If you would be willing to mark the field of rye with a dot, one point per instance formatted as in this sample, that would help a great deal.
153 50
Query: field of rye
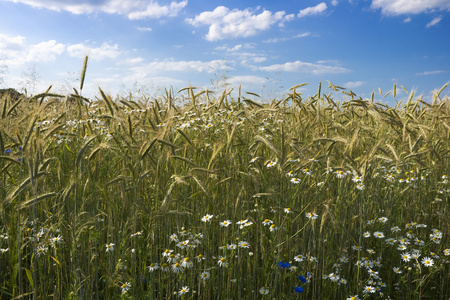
324 197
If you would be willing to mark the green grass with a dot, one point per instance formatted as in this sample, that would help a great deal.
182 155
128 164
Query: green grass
94 192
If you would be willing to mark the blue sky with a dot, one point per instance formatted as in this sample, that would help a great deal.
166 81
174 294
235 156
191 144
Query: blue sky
361 45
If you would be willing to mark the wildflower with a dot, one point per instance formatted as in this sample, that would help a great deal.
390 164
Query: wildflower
369 289
231 246
176 268
298 289
378 234
446 252
355 297
356 248
313 259
167 253
273 228
254 159
313 159
56 239
299 258
243 244
356 179
287 210
183 290
225 223
186 263
333 277
302 278
291 174
311 216
402 247
267 222
397 270
165 267
307 172
3 251
207 218
395 229
271 164
109 247
360 186
284 265
263 291
293 269
241 222
222 261
406 257
340 174
153 267
295 180
343 281
125 287
390 241
137 233
426 261
366 234
205 275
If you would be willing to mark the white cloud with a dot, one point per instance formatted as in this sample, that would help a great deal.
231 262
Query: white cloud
433 22
277 40
314 10
246 79
426 73
180 66
17 52
227 24
45 51
399 7
305 67
407 20
104 51
353 84
137 9
131 61
334 2
144 29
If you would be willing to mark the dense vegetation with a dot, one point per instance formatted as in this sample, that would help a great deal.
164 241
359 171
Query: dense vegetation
322 197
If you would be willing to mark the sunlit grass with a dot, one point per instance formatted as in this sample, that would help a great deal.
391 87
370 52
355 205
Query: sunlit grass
326 197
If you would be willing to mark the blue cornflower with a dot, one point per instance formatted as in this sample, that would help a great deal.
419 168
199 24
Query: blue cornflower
7 151
284 265
302 279
298 289
20 148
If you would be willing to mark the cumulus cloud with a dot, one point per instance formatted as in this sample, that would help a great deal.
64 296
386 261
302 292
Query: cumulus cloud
399 7
96 53
137 9
283 39
304 67
433 22
314 10
246 79
45 51
17 52
227 24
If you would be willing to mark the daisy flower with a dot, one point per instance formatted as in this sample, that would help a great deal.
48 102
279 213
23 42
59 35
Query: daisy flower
311 216
176 268
153 267
397 270
366 234
295 180
183 290
205 275
406 257
207 218
241 222
291 174
378 234
222 261
167 253
243 244
271 164
355 297
125 287
225 223
263 291
267 222
3 251
273 228
254 159
299 258
307 172
165 267
340 174
109 247
287 210
186 263
360 186
426 261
